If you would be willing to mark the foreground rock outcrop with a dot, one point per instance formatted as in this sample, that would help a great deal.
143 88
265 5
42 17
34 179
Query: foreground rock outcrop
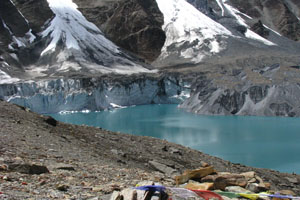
204 185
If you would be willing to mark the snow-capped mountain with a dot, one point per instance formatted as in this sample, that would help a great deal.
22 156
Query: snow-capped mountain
241 57
84 47
193 37
68 43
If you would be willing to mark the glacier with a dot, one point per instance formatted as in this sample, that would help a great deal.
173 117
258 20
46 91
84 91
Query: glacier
94 94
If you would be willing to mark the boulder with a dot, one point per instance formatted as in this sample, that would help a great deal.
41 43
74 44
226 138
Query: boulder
128 194
221 181
256 188
28 168
199 186
62 187
248 175
163 168
51 121
292 180
287 192
3 167
194 174
236 189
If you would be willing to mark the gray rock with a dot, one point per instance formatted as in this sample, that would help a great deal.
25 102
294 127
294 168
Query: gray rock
62 187
65 167
51 121
256 188
175 151
28 168
163 168
292 180
236 189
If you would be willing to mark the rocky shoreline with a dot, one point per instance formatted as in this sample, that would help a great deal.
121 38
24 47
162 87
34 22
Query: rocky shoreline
90 163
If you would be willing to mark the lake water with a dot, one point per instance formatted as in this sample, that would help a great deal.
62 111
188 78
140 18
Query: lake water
267 142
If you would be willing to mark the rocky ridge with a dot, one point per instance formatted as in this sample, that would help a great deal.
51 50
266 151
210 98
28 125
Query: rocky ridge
88 163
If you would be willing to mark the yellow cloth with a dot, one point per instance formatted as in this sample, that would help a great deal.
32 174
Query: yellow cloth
249 196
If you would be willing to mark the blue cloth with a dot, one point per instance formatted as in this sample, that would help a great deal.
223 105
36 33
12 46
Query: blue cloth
152 188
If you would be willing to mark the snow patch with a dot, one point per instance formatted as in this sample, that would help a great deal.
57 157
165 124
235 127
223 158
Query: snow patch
5 78
30 36
252 35
117 106
14 56
272 30
249 34
221 6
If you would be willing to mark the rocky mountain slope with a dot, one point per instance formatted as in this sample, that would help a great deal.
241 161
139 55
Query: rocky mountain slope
88 163
241 57
133 25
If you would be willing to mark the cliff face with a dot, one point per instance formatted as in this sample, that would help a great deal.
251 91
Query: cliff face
134 25
21 21
279 15
20 17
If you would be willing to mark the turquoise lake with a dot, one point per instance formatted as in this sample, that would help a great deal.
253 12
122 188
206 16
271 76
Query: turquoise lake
266 142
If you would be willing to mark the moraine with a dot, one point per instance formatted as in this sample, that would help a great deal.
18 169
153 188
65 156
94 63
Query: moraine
265 142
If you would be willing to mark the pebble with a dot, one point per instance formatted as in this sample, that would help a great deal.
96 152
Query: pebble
62 187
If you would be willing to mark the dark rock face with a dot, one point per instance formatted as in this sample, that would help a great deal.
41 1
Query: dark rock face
5 37
15 15
37 12
260 29
13 18
282 109
202 5
134 25
279 15
257 93
231 101
19 17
